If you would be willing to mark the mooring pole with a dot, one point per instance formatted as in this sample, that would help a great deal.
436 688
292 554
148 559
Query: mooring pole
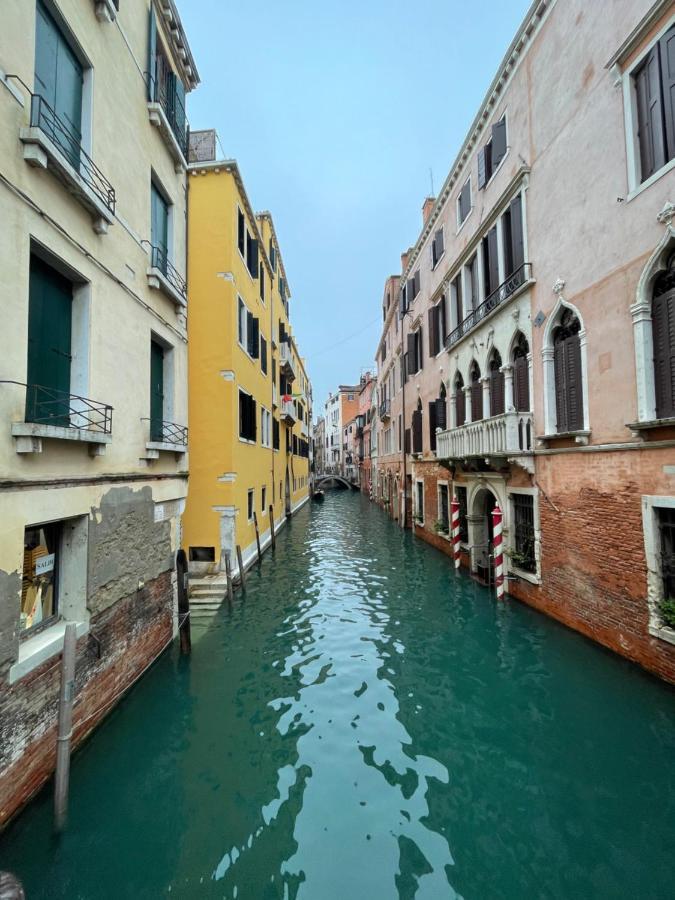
242 574
498 551
182 585
65 727
454 519
257 535
228 575
274 537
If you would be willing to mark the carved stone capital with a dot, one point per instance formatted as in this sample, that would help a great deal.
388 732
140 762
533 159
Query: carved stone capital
667 214
558 286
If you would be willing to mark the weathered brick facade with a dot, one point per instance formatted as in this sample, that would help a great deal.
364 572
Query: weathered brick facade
132 633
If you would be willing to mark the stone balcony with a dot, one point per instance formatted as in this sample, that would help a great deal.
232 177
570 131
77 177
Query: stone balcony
508 435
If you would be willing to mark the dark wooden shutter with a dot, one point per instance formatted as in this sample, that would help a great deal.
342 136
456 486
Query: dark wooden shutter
417 282
460 401
412 360
663 330
433 331
496 391
241 233
465 202
419 345
650 115
521 384
667 51
254 419
560 392
442 321
406 441
482 169
441 413
498 142
517 244
152 55
410 291
493 259
432 425
263 355
402 302
476 400
252 255
262 281
575 411
439 243
417 431
457 299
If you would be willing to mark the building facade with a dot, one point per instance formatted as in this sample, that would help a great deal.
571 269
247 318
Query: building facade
320 446
250 397
340 408
93 383
389 473
364 423
537 320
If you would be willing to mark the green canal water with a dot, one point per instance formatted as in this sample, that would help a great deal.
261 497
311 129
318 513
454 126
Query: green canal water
365 725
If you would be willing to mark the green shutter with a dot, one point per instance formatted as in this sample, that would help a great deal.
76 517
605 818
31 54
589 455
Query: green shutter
159 225
156 390
152 56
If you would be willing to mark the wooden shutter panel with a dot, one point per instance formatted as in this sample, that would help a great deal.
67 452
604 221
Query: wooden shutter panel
417 282
241 233
262 281
440 247
442 322
417 431
411 355
460 400
650 115
496 392
402 302
575 411
152 56
517 244
498 142
663 330
419 344
441 413
432 425
482 169
410 291
476 401
254 420
493 263
433 331
667 52
252 253
560 392
521 384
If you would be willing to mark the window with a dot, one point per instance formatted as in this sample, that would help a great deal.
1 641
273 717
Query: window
512 231
490 262
443 507
250 504
419 501
265 427
460 401
247 416
248 247
663 335
437 328
491 155
567 368
156 392
262 282
476 393
654 86
417 428
457 307
159 228
166 88
521 375
263 499
248 331
666 528
40 581
273 256
523 554
460 493
496 385
414 354
464 203
263 355
437 248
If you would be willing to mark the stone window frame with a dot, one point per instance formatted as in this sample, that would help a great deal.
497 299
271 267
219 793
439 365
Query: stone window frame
440 482
532 577
418 482
651 534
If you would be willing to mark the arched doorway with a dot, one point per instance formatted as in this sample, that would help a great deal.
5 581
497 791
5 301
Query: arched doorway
287 493
481 533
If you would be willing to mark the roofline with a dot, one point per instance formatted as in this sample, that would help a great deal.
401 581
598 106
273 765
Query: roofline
266 214
179 42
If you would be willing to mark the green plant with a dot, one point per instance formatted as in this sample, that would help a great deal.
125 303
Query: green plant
667 611
441 527
519 559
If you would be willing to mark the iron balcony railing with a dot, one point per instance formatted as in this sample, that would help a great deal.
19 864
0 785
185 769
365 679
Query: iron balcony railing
174 112
50 406
167 432
385 409
159 259
69 143
497 297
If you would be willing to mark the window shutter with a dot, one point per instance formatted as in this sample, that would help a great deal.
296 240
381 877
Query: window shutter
411 355
457 299
560 393
476 398
465 202
432 425
152 56
442 321
179 118
402 302
241 233
417 431
406 441
254 421
460 401
492 260
667 50
441 413
253 257
521 384
517 245
419 346
433 331
262 281
482 169
496 392
575 413
663 330
498 142
650 115
417 282
410 291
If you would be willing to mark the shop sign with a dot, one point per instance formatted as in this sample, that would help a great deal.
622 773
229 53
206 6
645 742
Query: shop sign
44 564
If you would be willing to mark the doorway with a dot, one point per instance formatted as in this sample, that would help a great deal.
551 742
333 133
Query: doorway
482 537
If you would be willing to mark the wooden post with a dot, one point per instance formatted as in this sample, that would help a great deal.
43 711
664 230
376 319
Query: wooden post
228 574
183 603
66 697
242 574
257 535
273 535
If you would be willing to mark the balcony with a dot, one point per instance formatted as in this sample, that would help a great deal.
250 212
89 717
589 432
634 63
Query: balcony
167 113
288 412
49 143
164 277
286 363
520 279
506 435
57 415
168 437
385 410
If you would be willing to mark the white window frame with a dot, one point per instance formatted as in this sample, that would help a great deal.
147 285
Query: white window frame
439 484
236 231
434 266
250 503
461 223
265 427
652 540
548 367
263 499
418 482
508 148
510 531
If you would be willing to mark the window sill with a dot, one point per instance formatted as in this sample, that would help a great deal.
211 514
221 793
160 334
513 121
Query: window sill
41 153
158 281
663 633
580 437
521 574
43 646
28 437
438 261
648 182
243 440
496 171
154 448
636 428
105 11
461 224
158 118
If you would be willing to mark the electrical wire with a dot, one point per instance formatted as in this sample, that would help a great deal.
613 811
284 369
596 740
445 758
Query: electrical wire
345 339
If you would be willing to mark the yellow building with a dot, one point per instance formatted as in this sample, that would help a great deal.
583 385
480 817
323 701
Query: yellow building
249 395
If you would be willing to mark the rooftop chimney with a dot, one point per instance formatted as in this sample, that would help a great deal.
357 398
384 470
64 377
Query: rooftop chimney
427 206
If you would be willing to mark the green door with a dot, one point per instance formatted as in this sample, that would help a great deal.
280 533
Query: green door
156 391
49 343
159 226
58 81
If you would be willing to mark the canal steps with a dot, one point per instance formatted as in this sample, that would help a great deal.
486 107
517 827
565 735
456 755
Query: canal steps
207 592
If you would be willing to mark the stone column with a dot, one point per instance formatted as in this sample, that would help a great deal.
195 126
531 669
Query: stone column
453 410
469 407
485 381
509 404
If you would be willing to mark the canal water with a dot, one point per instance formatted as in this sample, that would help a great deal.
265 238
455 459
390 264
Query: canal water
365 725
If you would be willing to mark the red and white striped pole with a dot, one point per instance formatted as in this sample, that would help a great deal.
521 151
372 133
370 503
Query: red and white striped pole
499 551
454 519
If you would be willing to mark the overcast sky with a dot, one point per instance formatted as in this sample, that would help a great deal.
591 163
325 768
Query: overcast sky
336 113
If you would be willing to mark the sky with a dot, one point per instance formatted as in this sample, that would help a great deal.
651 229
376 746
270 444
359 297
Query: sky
339 115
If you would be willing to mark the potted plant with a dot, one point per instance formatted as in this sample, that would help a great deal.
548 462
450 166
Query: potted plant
667 611
441 527
419 519
520 560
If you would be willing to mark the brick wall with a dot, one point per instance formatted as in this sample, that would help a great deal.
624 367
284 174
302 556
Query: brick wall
132 633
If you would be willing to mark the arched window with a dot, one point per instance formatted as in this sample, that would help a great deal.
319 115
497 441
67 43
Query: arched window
567 374
663 334
496 385
460 401
476 393
437 416
417 428
521 375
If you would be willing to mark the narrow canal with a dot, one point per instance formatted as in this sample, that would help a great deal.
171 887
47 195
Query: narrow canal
363 725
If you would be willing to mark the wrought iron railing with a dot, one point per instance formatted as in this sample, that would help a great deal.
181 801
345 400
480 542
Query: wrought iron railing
69 143
385 409
159 259
50 406
167 432
497 297
174 112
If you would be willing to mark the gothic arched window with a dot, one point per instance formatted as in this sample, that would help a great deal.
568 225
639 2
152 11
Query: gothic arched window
568 377
521 375
476 393
663 332
460 401
496 385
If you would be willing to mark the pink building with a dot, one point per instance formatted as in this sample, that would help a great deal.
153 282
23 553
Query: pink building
364 419
538 330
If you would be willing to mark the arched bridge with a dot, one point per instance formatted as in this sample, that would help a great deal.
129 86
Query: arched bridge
325 481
